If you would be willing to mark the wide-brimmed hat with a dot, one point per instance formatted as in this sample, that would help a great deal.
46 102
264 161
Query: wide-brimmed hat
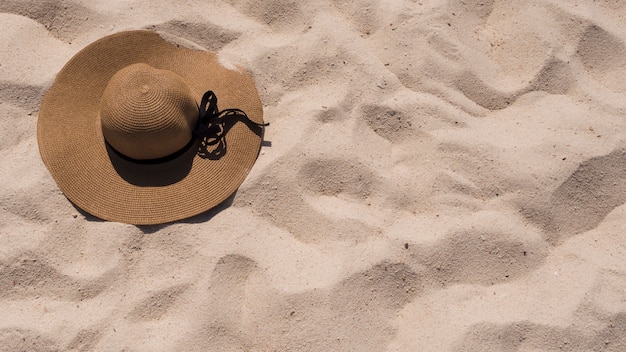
131 130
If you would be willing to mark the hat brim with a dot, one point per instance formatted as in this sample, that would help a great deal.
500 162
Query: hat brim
112 188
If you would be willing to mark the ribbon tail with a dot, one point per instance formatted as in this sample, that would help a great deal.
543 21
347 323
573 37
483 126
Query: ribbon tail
243 115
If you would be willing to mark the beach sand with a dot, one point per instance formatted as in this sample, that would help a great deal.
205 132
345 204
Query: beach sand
437 176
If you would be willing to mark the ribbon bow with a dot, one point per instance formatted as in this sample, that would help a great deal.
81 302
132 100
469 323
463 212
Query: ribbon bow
212 125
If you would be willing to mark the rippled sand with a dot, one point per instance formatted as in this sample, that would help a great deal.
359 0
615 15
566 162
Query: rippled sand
438 176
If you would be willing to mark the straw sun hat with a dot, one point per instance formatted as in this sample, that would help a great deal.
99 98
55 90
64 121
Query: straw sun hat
131 130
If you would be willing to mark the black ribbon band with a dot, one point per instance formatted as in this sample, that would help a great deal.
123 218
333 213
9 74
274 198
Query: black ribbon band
160 160
210 130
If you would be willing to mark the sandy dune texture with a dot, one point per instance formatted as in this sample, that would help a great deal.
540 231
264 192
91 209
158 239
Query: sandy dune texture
442 176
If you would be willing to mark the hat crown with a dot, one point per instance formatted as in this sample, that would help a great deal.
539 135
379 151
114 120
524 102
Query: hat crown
147 113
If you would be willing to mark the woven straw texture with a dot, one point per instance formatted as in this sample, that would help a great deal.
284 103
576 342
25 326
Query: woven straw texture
142 107
98 181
